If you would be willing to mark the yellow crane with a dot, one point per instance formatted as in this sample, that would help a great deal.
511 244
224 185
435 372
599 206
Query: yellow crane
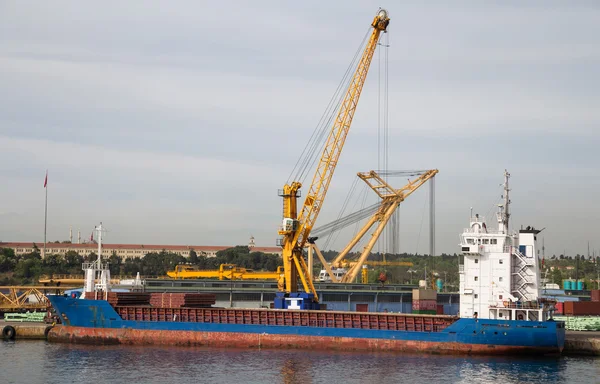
374 263
390 200
297 225
225 271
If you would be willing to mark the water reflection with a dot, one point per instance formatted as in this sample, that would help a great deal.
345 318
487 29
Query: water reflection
41 362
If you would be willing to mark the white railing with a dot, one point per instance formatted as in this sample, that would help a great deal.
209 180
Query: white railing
94 265
484 231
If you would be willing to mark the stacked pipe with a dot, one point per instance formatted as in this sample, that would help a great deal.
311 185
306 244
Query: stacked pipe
128 298
178 300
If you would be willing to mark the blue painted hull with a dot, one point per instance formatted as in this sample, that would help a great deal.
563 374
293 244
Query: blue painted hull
96 321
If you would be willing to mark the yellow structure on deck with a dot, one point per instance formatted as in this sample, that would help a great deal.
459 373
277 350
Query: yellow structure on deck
15 298
297 225
352 263
225 272
390 200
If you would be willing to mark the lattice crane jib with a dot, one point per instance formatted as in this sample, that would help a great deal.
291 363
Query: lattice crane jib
391 199
297 225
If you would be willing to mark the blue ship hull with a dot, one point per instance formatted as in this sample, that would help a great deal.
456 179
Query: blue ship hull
97 322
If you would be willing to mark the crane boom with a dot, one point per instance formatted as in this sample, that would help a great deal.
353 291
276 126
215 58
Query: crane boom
389 204
296 228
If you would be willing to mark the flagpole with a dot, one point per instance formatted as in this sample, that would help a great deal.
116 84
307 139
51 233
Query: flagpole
45 213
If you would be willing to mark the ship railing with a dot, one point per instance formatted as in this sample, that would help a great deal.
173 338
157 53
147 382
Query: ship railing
478 219
483 231
519 305
94 265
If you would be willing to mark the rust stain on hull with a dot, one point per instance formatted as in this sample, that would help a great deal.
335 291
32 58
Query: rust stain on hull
107 336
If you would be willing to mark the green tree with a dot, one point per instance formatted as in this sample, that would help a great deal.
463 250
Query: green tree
115 263
8 260
28 269
132 266
193 257
557 276
53 264
73 261
159 263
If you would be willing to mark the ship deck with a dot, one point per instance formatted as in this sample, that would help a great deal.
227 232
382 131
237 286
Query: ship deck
327 319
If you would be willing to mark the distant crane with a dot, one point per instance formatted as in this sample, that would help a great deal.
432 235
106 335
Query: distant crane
390 200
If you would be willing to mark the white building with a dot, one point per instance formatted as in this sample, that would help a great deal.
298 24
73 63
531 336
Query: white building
126 250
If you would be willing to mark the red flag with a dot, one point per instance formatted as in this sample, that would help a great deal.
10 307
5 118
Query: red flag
46 180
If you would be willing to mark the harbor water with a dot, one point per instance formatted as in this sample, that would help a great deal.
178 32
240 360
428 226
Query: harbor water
43 362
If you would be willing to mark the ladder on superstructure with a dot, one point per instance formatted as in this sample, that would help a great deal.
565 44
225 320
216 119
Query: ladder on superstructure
520 277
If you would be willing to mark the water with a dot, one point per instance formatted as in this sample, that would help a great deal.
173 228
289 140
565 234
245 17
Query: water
42 362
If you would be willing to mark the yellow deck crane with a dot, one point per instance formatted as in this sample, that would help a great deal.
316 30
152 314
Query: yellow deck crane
297 225
390 200
225 271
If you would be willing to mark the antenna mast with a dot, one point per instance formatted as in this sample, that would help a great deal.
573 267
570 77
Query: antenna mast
503 213
506 214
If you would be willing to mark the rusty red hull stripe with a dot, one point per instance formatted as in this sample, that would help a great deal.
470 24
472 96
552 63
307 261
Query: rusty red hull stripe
103 336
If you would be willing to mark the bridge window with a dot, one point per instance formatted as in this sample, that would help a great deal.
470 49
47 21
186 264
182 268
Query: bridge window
486 241
501 261
476 296
494 241
500 279
499 297
476 278
470 241
476 261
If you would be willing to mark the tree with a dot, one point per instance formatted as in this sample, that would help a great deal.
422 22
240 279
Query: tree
73 261
53 264
132 266
8 260
91 257
114 263
28 268
557 276
193 257
157 264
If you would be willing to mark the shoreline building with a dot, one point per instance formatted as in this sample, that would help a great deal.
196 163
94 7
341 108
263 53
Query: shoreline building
126 251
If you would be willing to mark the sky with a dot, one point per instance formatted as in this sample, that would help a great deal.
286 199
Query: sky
177 122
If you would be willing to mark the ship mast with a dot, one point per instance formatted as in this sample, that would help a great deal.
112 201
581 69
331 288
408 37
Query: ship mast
504 213
97 274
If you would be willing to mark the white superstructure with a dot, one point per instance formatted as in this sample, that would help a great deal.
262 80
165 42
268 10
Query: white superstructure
499 275
97 273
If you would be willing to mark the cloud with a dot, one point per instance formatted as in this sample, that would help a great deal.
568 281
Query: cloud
179 122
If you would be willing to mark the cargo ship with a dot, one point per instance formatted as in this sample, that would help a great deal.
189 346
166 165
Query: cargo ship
500 311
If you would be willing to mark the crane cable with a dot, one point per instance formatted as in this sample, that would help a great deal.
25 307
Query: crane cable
320 142
316 140
354 218
345 221
421 225
383 127
336 231
344 207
